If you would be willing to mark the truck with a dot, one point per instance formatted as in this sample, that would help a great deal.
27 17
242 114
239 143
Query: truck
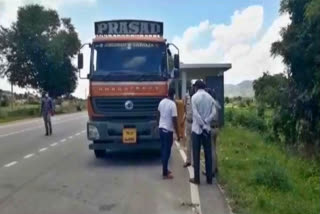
131 68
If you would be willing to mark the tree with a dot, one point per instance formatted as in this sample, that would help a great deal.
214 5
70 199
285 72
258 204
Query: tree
38 50
269 89
300 50
227 100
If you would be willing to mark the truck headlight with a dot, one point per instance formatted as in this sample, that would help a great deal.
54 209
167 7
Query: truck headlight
93 132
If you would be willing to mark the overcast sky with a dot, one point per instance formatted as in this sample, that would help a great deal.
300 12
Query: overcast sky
231 31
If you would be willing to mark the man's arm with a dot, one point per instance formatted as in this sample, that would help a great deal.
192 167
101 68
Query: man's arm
185 110
217 104
175 124
174 114
196 115
212 115
52 106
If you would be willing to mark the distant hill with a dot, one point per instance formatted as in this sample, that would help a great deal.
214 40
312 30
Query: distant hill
243 89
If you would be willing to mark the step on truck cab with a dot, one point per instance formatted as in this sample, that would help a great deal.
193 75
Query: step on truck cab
131 68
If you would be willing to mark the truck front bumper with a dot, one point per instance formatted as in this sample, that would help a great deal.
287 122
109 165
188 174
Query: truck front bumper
107 135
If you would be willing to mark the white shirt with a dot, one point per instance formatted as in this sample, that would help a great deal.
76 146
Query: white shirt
204 111
168 110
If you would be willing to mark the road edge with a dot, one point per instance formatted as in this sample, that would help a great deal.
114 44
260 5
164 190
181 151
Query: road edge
194 189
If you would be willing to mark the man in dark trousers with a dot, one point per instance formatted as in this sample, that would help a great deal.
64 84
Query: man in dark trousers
167 124
203 114
46 112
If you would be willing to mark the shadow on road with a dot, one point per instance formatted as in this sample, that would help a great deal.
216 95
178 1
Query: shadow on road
127 159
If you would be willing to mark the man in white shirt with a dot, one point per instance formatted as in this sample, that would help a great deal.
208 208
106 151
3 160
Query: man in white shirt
203 113
167 124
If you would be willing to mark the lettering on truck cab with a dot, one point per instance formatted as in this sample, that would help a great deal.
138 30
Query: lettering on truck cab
129 27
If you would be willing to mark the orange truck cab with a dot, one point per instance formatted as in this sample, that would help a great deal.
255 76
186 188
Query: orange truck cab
131 68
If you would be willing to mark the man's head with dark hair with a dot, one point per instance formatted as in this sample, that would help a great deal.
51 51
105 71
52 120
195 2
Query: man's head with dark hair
44 95
199 84
171 93
191 91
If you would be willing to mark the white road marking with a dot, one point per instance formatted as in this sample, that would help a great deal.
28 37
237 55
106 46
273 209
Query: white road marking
78 134
11 164
53 144
70 137
20 123
43 149
28 156
63 140
37 127
16 132
29 121
195 198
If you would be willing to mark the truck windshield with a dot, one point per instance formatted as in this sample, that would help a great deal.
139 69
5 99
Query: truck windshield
130 58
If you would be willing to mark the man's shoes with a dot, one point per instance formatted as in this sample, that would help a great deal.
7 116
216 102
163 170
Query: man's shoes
205 174
46 134
192 180
167 177
209 181
187 164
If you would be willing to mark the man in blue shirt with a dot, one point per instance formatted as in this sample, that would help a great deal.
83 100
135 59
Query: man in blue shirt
46 112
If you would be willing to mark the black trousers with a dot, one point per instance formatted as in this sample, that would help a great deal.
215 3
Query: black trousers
166 138
204 140
47 123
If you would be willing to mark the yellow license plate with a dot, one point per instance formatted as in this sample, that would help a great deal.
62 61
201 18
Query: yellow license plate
129 135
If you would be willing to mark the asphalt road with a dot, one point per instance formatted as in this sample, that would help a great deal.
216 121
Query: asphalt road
59 174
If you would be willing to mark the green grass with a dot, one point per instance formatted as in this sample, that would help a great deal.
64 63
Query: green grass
18 112
262 178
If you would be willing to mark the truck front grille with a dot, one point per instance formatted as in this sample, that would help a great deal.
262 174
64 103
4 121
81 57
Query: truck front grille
117 105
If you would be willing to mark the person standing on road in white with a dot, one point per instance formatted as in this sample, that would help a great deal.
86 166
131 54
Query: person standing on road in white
203 113
188 119
46 112
167 124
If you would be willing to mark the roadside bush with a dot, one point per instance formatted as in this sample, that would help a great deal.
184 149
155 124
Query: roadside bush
272 176
4 101
24 112
245 118
3 114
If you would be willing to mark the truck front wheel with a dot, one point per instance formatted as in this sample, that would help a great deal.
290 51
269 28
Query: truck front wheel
100 153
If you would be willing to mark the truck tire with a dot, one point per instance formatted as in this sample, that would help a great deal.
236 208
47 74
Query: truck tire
100 153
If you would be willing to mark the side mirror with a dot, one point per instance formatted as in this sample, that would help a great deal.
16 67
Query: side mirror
80 61
176 61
